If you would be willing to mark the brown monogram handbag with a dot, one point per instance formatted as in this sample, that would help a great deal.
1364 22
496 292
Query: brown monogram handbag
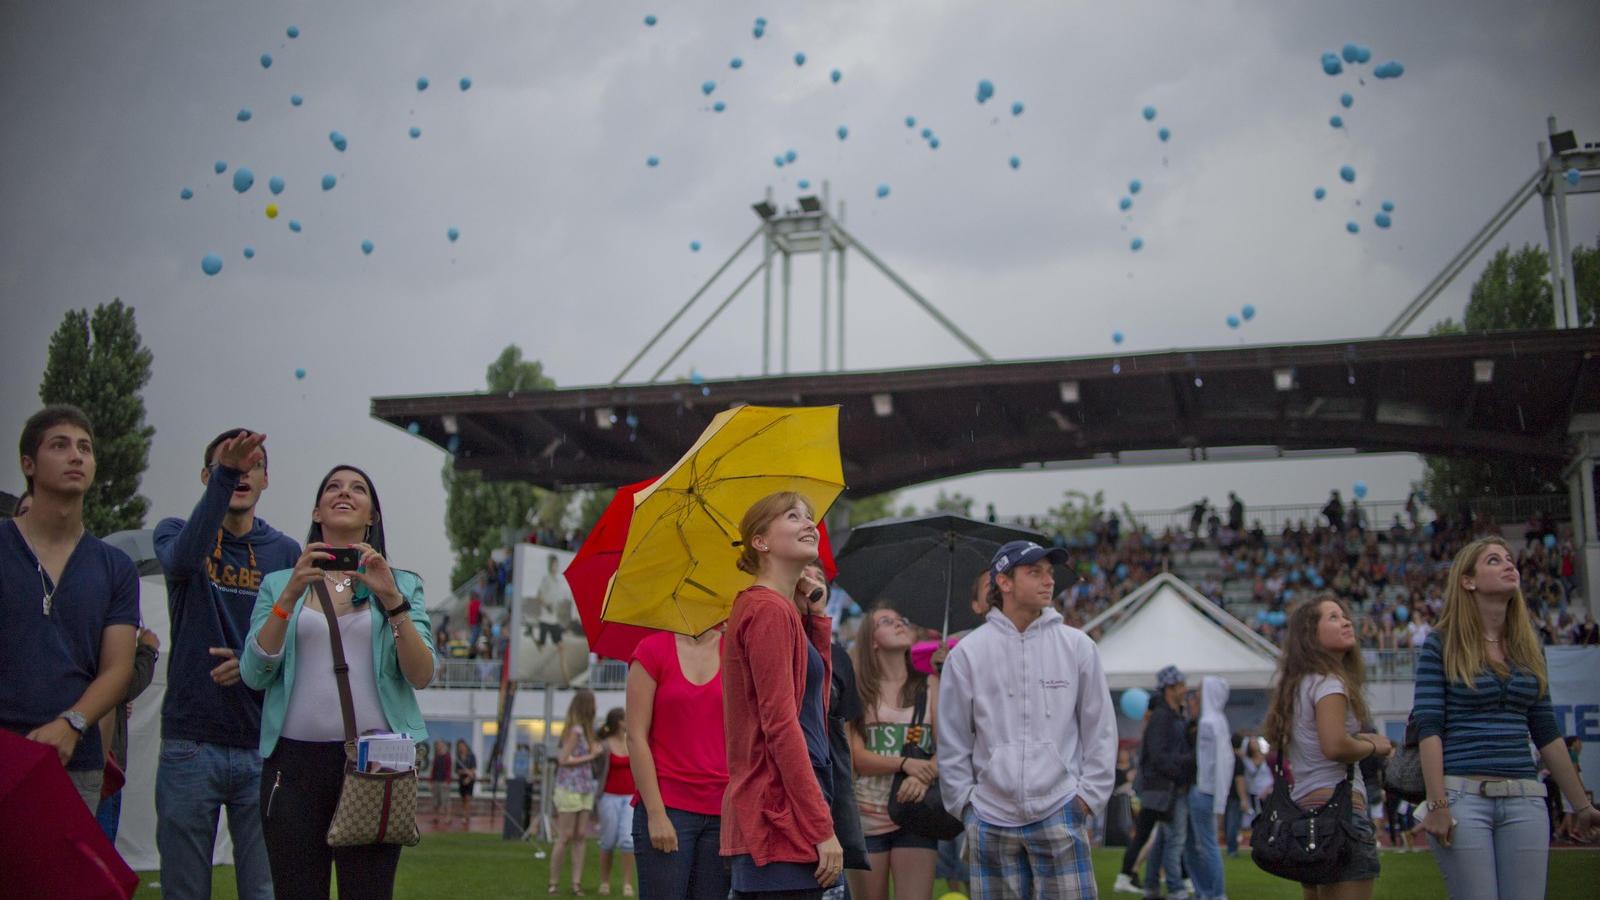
374 807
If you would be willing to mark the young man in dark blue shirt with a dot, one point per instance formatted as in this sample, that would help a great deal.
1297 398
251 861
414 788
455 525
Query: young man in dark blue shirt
69 601
210 721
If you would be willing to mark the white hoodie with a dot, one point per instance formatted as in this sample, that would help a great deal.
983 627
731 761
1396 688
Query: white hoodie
1025 722
1213 746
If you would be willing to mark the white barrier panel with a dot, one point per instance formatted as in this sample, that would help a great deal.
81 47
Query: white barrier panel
1575 697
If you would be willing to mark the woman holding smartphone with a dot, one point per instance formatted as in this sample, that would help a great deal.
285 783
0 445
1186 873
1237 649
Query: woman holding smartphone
385 631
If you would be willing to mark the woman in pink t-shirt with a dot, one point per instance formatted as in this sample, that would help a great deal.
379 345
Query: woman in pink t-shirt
679 757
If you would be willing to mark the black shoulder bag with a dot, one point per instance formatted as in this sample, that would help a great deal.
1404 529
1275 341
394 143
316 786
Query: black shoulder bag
927 817
1309 846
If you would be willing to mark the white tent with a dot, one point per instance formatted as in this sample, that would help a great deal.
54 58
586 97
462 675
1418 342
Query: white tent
1167 622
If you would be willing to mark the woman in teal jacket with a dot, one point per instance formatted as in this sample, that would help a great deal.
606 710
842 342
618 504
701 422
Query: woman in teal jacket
388 647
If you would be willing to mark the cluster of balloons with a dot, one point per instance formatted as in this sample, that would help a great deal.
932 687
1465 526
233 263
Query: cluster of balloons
1245 314
1333 64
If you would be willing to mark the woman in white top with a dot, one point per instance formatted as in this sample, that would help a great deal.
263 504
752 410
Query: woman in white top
889 688
1312 722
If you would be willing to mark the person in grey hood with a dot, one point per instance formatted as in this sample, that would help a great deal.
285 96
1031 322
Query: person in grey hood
1028 736
1213 780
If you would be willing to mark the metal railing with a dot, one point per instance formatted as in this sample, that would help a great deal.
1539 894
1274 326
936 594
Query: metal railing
480 674
1390 665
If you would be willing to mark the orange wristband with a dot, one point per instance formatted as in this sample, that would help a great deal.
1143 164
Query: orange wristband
280 612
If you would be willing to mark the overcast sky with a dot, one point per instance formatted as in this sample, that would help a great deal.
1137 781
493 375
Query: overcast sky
573 248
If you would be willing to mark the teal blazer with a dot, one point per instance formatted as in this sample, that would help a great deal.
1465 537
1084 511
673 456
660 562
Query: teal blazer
276 676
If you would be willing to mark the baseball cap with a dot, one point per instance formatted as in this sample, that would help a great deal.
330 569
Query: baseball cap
1022 553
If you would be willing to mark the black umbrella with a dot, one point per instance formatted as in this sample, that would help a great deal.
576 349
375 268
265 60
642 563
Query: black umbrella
919 566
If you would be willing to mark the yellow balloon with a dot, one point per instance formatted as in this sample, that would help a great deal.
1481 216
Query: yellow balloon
272 210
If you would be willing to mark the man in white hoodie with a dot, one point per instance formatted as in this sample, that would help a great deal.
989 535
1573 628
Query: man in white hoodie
1027 736
1214 763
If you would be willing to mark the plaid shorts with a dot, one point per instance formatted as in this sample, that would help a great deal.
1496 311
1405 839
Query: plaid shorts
1047 859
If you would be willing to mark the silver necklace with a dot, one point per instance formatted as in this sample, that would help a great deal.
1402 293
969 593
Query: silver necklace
49 595
339 586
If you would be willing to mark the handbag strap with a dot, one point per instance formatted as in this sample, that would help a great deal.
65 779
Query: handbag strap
341 669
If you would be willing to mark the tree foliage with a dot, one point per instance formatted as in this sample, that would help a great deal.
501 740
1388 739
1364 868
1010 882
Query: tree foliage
98 363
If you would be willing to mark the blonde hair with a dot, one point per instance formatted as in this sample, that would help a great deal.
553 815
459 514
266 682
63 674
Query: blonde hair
1461 626
758 517
580 714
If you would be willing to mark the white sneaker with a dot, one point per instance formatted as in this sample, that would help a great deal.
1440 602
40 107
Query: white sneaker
1188 886
1125 885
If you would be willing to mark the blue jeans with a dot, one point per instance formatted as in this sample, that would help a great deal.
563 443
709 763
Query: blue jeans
109 814
1171 836
695 871
194 780
1500 847
1200 850
1232 815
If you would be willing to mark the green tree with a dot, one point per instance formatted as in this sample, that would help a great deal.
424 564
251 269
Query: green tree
1075 516
1513 293
955 503
871 508
479 513
98 363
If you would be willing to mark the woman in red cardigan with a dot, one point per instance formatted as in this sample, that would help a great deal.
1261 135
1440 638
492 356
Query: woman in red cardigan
776 824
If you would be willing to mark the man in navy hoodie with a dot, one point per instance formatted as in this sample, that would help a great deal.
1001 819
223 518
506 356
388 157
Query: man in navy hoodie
210 721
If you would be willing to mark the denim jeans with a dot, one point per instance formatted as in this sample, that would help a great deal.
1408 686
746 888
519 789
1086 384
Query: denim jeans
1500 847
1174 833
1232 816
695 871
194 780
1200 850
109 815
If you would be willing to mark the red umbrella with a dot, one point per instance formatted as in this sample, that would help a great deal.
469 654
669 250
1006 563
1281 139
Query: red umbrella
50 845
597 560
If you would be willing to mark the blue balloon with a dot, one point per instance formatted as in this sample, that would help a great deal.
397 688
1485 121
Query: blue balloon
718 106
293 32
799 59
249 253
1390 69
694 246
1345 100
300 373
338 140
1149 113
1550 541
758 31
1125 203
761 22
1122 570
1388 206
883 191
1015 162
185 194
414 428
1137 244
650 21
1016 108
911 122
790 156
1352 227
1134 703
296 99
1351 53
1164 134
1249 312
452 233
243 179
1135 186
1383 220
211 264
695 377
835 75
805 184
985 90
1320 192
243 115
422 83
1336 121
652 161
843 132
1233 321
294 225
465 83
706 87
933 142
219 167
366 247
1331 64
454 444
1348 173
415 132
1574 176
1359 489
736 63
778 160
275 184
1116 337
266 60
328 181
927 133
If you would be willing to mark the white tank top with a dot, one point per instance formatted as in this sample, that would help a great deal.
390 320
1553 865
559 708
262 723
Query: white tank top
313 713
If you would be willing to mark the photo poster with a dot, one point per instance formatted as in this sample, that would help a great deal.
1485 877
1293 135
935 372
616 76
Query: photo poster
1575 699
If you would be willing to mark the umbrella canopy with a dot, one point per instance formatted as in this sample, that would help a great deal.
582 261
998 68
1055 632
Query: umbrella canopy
50 846
678 569
924 567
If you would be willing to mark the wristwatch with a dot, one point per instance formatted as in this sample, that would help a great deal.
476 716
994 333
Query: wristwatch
75 719
1431 806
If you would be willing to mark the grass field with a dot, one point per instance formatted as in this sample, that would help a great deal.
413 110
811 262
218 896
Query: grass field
470 866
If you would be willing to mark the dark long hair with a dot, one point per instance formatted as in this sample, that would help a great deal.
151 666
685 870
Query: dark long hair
1304 655
374 531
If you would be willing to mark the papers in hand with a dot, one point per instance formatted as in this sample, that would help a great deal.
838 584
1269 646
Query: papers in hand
386 752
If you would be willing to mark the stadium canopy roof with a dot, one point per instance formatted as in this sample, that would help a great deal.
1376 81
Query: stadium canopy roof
1503 392
1167 622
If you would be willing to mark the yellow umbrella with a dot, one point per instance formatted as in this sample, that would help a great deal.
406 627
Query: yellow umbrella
678 570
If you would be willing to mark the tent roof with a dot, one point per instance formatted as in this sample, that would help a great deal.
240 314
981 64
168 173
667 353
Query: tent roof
1167 622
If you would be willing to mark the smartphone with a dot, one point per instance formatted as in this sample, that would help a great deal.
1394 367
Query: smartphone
345 559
